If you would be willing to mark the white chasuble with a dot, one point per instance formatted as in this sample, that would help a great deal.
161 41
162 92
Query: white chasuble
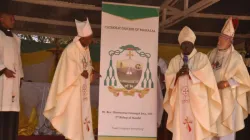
68 106
10 58
231 68
247 63
193 103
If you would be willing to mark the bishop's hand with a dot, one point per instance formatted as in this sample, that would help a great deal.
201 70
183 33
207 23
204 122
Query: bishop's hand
223 84
9 74
85 74
183 71
96 75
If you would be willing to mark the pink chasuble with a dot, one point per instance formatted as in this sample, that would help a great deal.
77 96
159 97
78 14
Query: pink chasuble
86 111
85 100
186 116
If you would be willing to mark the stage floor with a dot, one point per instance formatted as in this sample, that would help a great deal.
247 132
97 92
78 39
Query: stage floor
163 134
40 138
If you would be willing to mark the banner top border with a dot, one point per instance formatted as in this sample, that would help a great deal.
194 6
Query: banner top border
136 5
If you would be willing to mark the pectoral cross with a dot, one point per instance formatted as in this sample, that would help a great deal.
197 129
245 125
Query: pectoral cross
130 54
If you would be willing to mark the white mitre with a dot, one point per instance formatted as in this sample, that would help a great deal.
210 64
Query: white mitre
186 34
228 28
83 28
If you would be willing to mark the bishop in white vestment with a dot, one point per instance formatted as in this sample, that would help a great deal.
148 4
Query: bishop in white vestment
193 102
10 74
233 82
68 106
245 132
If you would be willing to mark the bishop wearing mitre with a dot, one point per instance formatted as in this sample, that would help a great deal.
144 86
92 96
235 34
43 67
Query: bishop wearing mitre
68 105
193 102
233 82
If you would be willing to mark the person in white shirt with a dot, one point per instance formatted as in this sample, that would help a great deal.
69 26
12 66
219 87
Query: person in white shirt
161 89
11 73
162 68
162 115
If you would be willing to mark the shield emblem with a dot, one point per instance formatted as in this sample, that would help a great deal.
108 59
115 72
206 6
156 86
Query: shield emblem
129 73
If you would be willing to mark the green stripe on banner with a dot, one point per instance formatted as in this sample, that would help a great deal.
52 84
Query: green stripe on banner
95 52
31 47
130 12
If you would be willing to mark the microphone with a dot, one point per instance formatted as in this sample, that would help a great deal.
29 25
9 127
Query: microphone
185 60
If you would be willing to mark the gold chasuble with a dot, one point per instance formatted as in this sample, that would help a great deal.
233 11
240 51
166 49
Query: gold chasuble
234 99
229 67
68 106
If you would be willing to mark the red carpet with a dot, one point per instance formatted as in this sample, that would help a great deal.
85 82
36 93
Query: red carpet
40 138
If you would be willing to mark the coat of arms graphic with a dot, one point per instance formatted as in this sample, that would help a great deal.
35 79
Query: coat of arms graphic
132 75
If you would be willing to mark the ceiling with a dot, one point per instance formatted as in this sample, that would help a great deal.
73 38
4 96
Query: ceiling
206 17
